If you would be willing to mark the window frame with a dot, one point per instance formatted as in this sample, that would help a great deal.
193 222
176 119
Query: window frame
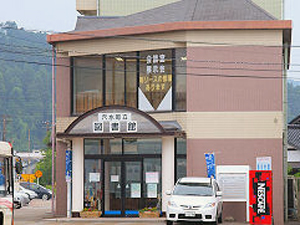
137 55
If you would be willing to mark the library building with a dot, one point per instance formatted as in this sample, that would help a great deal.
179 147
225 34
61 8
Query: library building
141 99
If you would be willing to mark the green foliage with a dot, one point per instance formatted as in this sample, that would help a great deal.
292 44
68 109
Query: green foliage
45 165
25 87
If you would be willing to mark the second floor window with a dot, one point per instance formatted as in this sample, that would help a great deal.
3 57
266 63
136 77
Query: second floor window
145 80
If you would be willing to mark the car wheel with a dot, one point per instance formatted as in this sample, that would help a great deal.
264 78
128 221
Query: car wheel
169 222
45 197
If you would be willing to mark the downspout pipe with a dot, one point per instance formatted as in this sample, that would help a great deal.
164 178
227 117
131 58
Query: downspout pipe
285 131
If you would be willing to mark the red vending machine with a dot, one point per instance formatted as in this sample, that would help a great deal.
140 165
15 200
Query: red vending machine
261 206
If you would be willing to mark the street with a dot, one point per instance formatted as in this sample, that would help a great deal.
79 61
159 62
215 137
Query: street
39 212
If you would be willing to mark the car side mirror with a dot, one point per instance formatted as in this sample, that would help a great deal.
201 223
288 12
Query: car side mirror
219 193
168 192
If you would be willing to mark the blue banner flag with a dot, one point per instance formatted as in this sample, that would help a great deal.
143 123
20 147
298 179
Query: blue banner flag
210 164
68 165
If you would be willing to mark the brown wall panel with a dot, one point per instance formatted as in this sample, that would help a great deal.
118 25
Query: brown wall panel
240 152
63 87
214 81
61 185
236 210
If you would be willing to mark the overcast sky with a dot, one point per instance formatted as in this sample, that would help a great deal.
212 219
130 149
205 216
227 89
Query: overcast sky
46 15
60 15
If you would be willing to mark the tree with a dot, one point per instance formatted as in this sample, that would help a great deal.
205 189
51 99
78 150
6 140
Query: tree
45 165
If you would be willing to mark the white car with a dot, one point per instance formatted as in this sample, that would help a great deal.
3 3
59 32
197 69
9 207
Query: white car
21 198
195 199
31 194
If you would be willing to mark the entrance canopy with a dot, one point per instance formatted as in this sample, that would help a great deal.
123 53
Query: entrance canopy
120 121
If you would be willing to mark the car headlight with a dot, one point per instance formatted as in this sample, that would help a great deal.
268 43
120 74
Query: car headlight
172 203
210 205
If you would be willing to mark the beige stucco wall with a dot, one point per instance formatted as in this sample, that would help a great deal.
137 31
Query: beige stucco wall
170 40
274 7
122 8
216 125
86 4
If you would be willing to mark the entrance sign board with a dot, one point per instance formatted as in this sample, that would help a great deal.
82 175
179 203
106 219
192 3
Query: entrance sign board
260 197
114 121
263 163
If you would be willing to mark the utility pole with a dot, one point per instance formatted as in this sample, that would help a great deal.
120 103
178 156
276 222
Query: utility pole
4 127
29 140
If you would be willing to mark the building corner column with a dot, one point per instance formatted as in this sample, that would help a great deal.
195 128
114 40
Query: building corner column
77 175
168 168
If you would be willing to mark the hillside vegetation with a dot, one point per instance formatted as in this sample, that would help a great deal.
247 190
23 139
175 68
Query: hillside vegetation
25 86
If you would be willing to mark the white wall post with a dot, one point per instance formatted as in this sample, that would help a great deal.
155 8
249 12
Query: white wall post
77 175
168 168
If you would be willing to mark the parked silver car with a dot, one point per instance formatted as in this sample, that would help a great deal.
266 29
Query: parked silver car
21 199
30 194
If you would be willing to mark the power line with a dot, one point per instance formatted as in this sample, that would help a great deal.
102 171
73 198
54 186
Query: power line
178 73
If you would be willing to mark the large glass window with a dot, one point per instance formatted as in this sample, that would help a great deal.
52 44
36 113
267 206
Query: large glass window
131 79
87 84
92 185
180 158
148 80
115 77
93 146
180 81
152 182
142 146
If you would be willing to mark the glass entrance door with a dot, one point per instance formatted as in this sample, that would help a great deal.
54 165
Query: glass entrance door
112 188
133 187
122 187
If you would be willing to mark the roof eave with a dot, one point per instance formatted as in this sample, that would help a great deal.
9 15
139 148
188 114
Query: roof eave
168 27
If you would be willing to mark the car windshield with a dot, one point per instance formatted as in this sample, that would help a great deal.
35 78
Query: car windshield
197 189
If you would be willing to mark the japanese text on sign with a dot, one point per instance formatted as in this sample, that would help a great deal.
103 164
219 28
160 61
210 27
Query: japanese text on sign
112 122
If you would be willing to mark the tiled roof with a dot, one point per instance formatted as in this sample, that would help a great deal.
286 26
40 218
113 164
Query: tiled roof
294 135
181 11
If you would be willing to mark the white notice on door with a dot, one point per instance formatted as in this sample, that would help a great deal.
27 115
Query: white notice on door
152 177
152 190
135 190
94 177
114 178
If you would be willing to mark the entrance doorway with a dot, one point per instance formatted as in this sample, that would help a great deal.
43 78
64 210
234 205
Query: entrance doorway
122 176
122 185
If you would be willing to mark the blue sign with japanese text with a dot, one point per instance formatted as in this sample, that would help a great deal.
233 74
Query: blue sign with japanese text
68 165
210 164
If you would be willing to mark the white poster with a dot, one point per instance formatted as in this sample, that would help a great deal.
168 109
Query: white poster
152 177
114 178
152 190
263 163
94 177
135 190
